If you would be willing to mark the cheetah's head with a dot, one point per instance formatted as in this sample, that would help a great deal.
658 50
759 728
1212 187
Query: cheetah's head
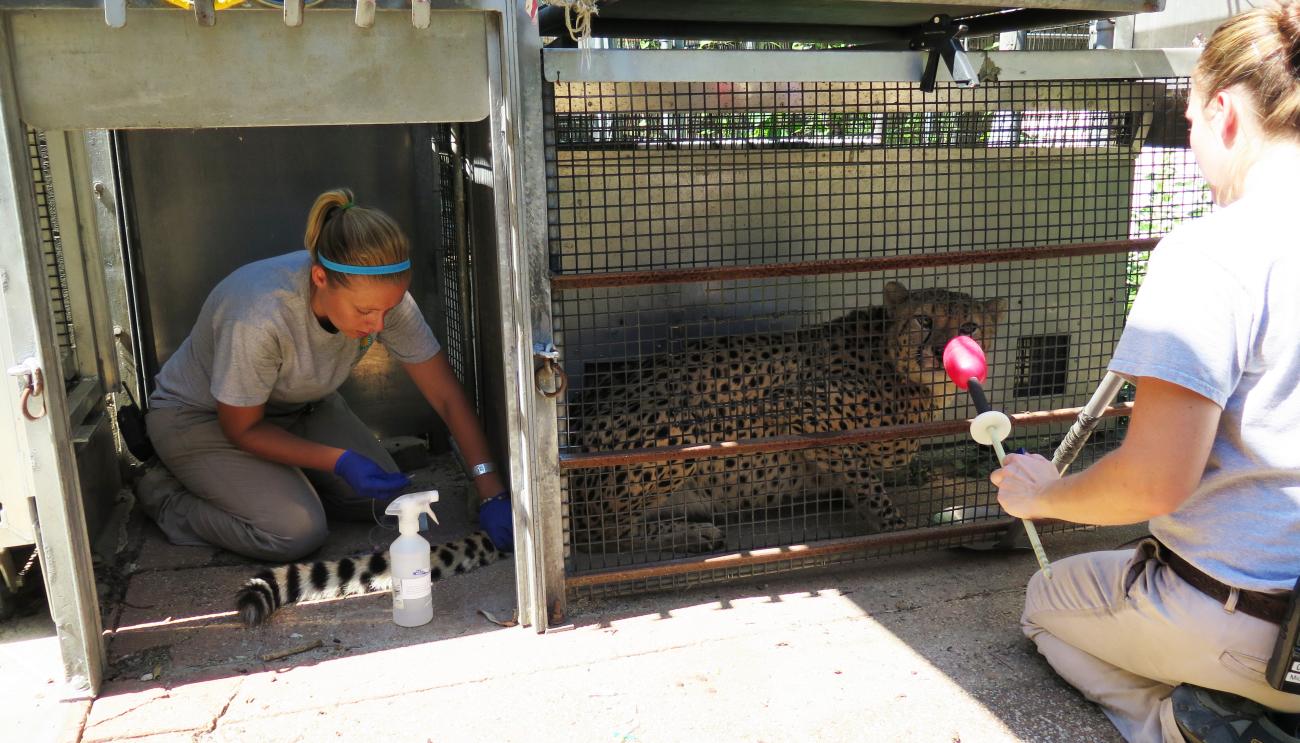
922 321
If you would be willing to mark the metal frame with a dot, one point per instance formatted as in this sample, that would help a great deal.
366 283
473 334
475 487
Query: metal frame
602 65
598 66
885 24
524 285
47 445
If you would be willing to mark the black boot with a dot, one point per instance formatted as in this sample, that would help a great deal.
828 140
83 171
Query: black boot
1207 716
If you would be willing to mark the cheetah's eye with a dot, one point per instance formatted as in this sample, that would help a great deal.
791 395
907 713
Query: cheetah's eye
923 321
968 328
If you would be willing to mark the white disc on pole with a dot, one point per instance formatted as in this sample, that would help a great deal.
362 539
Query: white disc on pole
990 425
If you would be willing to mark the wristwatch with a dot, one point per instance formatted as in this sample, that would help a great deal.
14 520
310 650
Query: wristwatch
482 469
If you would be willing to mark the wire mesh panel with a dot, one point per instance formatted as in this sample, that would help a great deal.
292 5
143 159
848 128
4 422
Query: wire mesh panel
753 284
1072 37
456 255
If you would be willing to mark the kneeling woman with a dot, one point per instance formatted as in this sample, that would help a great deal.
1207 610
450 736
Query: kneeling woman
247 415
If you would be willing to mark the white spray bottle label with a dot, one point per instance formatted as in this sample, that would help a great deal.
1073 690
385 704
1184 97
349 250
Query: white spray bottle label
409 561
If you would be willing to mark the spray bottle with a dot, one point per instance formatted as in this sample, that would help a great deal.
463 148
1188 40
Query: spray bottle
409 560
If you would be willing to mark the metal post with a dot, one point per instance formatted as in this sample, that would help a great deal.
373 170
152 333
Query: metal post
525 299
107 215
465 275
44 463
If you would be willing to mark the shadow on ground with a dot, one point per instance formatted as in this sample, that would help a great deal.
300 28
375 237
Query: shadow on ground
917 647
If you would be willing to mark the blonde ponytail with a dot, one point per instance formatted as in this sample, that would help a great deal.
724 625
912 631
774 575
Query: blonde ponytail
342 232
1258 50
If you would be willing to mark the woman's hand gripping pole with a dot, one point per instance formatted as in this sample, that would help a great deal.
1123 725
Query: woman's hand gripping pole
964 361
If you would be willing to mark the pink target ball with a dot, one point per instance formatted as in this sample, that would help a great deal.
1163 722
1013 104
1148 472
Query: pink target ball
963 359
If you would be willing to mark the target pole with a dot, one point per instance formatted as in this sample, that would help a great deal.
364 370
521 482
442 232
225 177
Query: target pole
964 361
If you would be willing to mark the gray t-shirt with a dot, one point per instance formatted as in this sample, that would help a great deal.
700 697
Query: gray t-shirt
1219 314
257 341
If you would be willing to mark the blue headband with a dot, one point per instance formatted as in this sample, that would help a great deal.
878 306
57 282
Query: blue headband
364 270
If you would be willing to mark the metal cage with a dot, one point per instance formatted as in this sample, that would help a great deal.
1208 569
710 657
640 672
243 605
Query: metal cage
691 223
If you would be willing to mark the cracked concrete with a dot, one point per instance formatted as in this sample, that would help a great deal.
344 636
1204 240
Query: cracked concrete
919 647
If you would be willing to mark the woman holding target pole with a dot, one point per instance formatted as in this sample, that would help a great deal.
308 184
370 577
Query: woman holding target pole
1171 638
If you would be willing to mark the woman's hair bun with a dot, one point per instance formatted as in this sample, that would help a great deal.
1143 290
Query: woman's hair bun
1288 25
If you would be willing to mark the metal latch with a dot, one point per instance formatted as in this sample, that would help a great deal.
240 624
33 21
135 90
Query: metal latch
548 375
32 379
939 37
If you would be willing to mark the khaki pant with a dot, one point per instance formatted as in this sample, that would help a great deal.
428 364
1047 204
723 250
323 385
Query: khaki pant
250 506
1123 629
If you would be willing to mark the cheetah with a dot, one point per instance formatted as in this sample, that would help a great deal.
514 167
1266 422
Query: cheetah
880 366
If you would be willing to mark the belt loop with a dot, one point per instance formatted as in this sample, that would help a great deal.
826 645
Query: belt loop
1230 605
1152 548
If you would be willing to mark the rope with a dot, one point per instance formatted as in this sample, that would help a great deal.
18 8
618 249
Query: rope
583 10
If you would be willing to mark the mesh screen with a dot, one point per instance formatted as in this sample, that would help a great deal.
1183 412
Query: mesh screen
1073 37
970 194
456 264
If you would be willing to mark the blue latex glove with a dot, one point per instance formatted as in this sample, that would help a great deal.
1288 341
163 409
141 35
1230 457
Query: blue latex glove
495 519
367 478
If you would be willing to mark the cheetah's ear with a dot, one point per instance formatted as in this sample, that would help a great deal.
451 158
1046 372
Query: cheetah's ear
996 308
895 294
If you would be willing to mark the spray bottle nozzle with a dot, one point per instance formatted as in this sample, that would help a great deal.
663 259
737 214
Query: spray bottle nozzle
408 508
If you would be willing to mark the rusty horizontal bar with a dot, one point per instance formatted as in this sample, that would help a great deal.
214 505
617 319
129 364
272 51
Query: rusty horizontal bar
811 440
825 548
569 282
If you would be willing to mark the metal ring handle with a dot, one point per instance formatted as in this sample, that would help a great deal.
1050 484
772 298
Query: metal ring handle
22 405
558 372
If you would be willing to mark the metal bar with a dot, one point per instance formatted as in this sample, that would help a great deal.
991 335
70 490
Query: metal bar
615 65
569 282
811 440
529 167
205 12
365 15
65 85
551 23
826 548
464 277
115 13
326 5
1024 19
293 12
120 368
1089 415
420 13
523 299
143 348
89 328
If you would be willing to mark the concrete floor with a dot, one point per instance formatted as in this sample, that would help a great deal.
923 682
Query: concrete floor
922 647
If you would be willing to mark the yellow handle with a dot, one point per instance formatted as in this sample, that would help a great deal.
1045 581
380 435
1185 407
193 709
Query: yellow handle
218 4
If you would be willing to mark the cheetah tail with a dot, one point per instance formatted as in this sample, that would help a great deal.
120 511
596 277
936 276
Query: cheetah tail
268 590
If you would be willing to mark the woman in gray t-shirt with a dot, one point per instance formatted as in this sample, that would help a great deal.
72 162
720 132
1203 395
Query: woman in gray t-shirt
1171 638
246 414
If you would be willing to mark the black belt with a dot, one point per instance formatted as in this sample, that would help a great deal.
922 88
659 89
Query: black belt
1271 607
